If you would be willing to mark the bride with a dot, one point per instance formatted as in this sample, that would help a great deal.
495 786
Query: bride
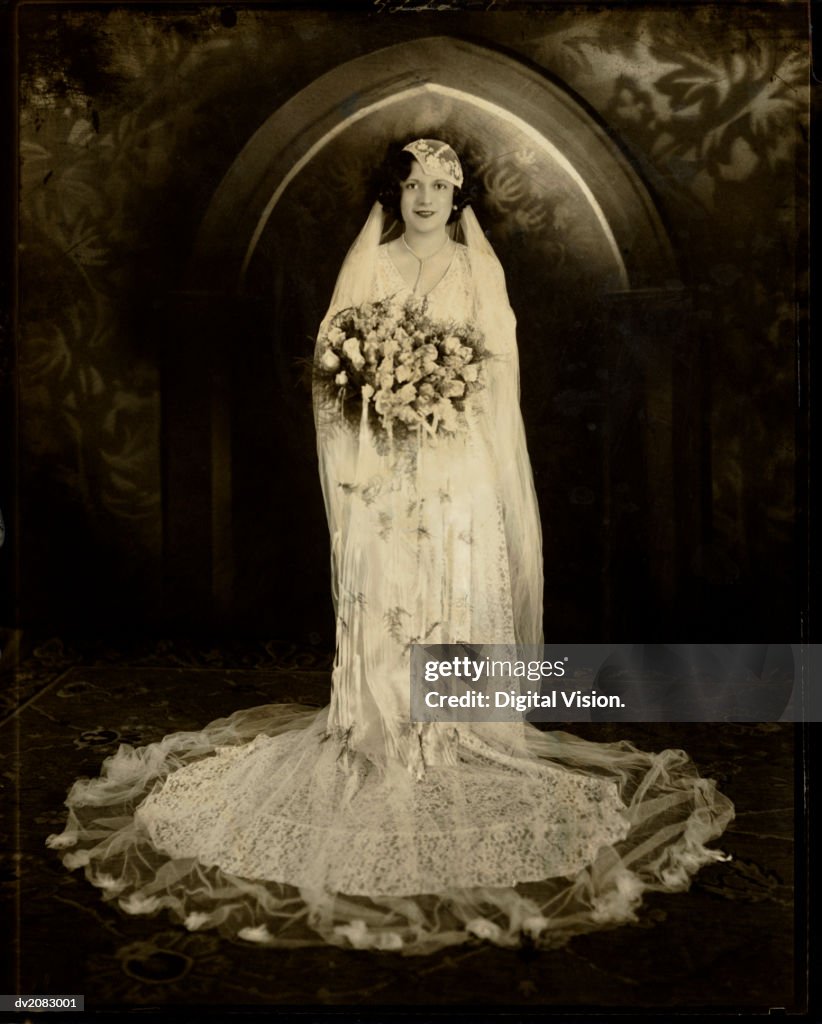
354 825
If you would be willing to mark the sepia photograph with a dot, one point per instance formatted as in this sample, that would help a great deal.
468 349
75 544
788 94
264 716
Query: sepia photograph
337 333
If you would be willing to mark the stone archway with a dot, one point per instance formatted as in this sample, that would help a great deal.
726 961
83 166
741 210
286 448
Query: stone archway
544 155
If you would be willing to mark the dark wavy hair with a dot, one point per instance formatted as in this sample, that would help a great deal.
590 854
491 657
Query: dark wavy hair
395 169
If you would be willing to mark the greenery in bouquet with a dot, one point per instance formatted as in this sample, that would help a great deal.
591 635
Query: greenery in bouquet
415 372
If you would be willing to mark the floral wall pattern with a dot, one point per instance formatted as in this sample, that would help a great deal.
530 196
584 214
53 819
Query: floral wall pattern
712 103
128 120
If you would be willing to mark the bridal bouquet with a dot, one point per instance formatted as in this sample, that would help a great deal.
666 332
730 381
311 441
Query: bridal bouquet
415 372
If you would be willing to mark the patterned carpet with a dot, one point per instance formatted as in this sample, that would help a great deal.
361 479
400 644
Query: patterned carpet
728 943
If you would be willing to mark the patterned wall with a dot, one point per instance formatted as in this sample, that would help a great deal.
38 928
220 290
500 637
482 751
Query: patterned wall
129 120
712 103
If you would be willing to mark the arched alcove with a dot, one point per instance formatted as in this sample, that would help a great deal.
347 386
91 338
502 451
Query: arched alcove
582 244
419 85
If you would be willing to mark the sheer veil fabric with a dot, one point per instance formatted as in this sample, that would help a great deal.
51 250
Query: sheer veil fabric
352 826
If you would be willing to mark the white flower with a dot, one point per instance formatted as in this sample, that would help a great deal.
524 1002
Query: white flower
453 389
384 403
329 360
470 372
341 378
108 882
408 415
407 393
392 346
258 934
367 391
61 841
334 335
137 904
451 344
76 860
195 920
484 929
351 347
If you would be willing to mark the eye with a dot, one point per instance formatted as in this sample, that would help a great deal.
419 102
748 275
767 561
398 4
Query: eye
441 185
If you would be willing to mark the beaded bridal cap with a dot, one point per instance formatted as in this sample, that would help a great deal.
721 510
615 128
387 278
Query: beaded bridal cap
437 159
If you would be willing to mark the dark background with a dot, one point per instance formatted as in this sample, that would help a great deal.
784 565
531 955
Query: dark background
665 425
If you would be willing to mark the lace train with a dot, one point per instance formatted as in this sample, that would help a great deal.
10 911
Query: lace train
268 827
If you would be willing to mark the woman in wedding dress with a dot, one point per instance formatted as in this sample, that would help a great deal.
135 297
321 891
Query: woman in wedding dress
354 825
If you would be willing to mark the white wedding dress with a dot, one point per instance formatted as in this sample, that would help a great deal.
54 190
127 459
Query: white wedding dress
353 826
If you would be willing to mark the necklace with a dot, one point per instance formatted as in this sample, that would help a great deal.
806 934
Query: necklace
421 259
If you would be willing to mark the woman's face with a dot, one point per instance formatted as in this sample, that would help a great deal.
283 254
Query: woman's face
425 201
